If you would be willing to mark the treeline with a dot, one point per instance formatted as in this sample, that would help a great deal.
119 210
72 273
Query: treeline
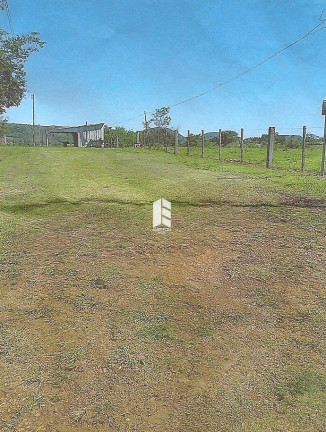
161 137
156 137
22 134
153 137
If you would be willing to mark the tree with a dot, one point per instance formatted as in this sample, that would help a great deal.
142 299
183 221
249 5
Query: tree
14 52
279 139
161 120
127 138
229 136
146 127
194 140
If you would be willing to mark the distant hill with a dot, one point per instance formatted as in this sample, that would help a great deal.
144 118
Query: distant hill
22 134
170 132
210 135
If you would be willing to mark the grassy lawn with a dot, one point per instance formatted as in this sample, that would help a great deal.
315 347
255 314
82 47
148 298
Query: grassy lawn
106 325
283 158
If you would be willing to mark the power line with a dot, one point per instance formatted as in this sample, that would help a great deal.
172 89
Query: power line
257 65
129 119
315 29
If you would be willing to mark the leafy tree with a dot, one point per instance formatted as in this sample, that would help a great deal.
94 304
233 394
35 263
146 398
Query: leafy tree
214 140
161 120
279 139
194 140
313 139
229 136
14 52
127 138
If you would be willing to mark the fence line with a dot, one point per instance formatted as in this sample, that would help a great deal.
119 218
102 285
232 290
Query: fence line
271 139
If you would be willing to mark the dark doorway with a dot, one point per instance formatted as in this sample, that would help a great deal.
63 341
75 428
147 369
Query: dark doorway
75 135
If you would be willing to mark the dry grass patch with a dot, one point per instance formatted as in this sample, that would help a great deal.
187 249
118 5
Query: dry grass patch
218 325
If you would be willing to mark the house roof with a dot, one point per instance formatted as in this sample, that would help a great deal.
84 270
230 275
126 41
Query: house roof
78 129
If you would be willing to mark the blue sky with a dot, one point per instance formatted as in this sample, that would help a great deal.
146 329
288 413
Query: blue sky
107 61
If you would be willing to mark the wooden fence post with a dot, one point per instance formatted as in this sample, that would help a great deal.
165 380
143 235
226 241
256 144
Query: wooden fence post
137 139
270 146
219 144
202 143
166 141
241 145
322 170
176 141
188 143
303 156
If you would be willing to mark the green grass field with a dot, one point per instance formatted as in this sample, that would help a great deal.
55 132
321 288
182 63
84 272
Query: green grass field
107 325
287 159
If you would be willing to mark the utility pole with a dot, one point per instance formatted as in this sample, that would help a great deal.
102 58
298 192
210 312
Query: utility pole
188 142
202 143
303 152
33 99
241 145
146 126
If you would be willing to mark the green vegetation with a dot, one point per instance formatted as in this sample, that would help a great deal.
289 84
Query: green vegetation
287 153
161 121
14 52
126 137
21 134
283 158
106 325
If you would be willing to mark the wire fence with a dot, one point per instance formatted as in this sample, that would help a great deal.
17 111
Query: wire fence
298 149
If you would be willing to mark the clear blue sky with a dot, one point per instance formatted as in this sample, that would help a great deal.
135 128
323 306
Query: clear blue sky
108 60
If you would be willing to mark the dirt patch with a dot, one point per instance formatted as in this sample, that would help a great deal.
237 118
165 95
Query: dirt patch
302 201
215 325
153 335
